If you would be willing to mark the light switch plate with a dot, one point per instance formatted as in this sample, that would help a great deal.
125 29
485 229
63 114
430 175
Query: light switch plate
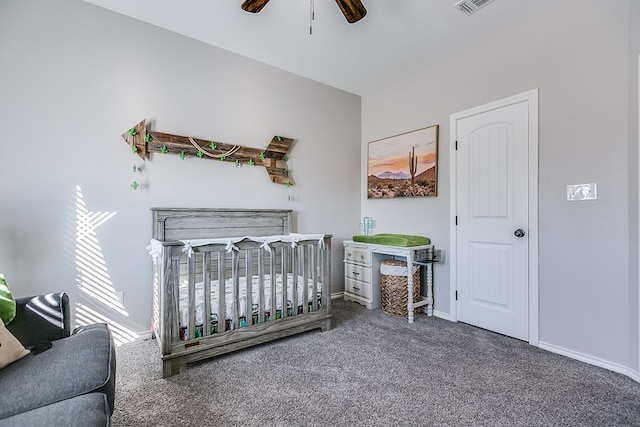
580 192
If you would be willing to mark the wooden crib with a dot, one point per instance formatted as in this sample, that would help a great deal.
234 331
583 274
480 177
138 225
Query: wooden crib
226 279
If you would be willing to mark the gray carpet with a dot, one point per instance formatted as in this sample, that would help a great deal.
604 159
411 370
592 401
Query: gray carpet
375 369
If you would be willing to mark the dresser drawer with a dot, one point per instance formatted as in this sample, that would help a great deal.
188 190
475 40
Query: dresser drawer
357 288
359 255
357 272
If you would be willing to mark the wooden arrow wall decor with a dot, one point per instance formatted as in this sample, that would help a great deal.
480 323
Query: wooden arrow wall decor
273 158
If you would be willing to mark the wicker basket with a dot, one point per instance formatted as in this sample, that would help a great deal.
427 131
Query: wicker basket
393 287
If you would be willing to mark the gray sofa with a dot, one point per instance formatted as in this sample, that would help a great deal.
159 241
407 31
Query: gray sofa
72 383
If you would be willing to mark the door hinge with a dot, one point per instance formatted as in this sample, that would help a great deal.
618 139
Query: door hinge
456 295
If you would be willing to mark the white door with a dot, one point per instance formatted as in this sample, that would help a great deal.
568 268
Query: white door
492 210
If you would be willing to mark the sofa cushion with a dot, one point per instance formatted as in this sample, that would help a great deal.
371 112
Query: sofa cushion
73 366
87 410
10 348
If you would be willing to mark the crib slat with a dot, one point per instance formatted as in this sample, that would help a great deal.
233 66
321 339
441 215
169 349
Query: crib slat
221 291
294 276
305 277
311 275
272 314
191 277
235 273
286 252
261 302
314 276
317 276
249 287
206 279
322 293
175 290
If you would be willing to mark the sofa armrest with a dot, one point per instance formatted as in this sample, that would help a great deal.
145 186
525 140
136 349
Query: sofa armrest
41 318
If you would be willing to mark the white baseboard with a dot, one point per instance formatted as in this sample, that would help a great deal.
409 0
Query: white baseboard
139 336
592 360
442 315
634 375
144 336
337 295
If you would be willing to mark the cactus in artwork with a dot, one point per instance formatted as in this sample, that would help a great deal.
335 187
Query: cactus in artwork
413 164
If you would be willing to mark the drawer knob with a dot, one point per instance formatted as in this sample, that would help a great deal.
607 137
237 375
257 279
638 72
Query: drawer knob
355 273
356 288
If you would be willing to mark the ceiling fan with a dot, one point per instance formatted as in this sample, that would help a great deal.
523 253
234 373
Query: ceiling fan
353 10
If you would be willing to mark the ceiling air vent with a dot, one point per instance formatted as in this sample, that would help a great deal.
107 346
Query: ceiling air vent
470 6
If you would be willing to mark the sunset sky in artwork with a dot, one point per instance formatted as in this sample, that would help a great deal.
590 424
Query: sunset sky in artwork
392 154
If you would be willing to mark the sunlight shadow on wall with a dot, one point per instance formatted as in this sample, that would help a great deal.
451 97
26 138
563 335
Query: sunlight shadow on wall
93 280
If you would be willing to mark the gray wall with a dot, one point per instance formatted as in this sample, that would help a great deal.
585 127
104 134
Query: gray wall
634 77
74 77
578 53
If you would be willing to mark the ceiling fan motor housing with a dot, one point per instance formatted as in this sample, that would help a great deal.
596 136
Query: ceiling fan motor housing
353 10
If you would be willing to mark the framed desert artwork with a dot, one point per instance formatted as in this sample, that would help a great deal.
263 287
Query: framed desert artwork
404 165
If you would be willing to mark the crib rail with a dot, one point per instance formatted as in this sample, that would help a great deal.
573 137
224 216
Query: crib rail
221 299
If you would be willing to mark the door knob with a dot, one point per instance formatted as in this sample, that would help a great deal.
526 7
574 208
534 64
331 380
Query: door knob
519 232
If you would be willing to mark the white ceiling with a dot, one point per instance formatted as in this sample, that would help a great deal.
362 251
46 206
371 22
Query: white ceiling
396 36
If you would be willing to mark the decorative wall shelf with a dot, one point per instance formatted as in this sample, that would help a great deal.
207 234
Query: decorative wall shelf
273 158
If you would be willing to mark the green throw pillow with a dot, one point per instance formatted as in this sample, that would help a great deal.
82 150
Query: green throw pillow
7 303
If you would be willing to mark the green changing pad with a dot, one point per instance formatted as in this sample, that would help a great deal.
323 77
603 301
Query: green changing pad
393 239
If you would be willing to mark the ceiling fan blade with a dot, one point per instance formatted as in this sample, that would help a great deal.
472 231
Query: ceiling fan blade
353 10
254 6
